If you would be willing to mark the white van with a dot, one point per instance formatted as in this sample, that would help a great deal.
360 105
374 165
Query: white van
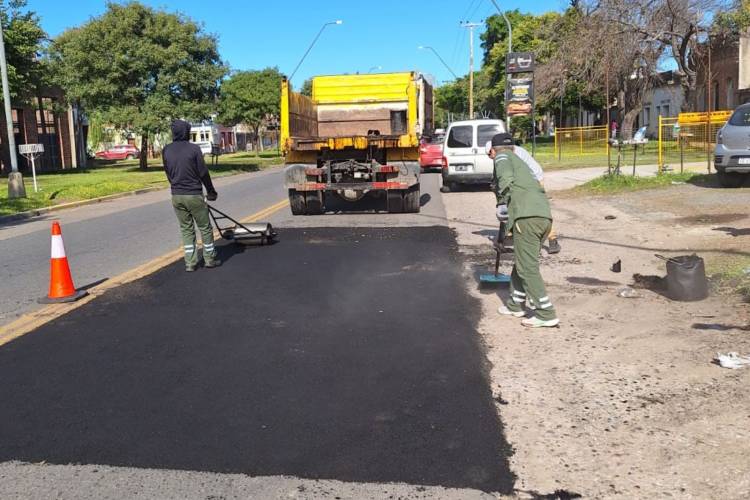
464 159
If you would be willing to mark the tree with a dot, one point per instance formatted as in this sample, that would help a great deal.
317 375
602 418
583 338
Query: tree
541 34
24 39
250 97
734 21
306 88
140 68
673 28
454 96
597 51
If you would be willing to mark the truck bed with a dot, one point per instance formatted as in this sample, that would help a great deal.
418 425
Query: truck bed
355 111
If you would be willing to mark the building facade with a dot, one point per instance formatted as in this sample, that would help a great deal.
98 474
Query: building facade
665 99
730 74
45 120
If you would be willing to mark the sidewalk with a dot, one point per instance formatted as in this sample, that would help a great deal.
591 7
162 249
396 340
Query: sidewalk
557 180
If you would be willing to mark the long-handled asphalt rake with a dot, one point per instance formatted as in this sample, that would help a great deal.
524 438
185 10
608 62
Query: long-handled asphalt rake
251 233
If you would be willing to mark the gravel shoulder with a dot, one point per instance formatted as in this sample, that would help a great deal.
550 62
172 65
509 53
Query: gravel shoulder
623 400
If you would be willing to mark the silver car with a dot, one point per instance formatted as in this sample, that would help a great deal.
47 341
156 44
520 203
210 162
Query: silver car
732 153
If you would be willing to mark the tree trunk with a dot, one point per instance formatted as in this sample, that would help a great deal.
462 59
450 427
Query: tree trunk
628 121
258 141
144 152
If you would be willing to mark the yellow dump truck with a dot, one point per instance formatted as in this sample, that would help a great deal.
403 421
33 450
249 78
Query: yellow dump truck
356 135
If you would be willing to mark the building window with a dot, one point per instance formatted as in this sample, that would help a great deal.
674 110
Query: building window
46 127
715 96
665 110
646 116
730 93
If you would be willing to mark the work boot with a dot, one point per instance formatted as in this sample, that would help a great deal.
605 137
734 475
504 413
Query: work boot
535 322
212 264
189 269
553 246
503 309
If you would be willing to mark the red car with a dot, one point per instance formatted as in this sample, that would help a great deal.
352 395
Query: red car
119 153
431 153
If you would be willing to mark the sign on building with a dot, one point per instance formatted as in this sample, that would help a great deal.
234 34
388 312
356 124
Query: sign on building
519 62
520 97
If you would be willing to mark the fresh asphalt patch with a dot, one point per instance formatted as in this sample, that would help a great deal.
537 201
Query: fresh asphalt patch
338 353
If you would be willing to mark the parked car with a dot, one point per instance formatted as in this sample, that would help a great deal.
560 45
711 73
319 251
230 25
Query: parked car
464 158
121 152
732 152
431 152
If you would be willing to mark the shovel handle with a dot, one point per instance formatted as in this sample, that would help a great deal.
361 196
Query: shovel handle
667 259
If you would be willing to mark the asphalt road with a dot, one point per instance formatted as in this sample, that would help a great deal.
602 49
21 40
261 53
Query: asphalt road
107 239
347 351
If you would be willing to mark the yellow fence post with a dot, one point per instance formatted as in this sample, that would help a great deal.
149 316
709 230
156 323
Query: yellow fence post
660 162
580 140
555 137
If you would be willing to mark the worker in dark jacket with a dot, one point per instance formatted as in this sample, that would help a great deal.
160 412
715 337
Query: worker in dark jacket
187 174
522 202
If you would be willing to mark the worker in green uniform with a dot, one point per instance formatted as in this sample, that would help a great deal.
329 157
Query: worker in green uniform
522 202
188 175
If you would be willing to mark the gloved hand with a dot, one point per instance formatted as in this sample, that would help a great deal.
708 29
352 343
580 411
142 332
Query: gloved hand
502 213
212 196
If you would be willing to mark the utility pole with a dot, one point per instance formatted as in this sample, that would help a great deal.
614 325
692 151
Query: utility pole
471 27
709 83
16 189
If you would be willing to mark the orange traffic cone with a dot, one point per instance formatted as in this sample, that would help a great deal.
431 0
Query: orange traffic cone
61 288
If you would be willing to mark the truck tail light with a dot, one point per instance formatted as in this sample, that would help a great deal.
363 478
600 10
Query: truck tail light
445 162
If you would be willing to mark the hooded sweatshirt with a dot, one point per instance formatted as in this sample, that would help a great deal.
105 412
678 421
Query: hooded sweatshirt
183 162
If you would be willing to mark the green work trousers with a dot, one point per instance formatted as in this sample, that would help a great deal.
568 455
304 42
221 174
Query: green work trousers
526 280
191 210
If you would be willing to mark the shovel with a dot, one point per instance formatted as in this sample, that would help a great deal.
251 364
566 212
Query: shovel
499 244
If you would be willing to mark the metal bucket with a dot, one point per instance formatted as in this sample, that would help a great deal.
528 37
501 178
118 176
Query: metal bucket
686 278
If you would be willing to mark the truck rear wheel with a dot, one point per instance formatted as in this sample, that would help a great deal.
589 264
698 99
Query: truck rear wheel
297 202
411 200
395 201
314 202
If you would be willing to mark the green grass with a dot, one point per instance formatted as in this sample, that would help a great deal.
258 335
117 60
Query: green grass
597 156
613 184
105 178
729 274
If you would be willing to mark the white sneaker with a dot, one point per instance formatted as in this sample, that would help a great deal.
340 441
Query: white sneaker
507 312
535 322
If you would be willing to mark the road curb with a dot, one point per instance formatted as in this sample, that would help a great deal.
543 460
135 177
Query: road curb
74 204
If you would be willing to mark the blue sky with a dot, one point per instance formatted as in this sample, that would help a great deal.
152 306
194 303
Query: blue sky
255 34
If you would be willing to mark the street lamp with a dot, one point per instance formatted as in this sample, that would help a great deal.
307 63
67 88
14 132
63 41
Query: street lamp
16 189
507 23
510 49
426 47
338 21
